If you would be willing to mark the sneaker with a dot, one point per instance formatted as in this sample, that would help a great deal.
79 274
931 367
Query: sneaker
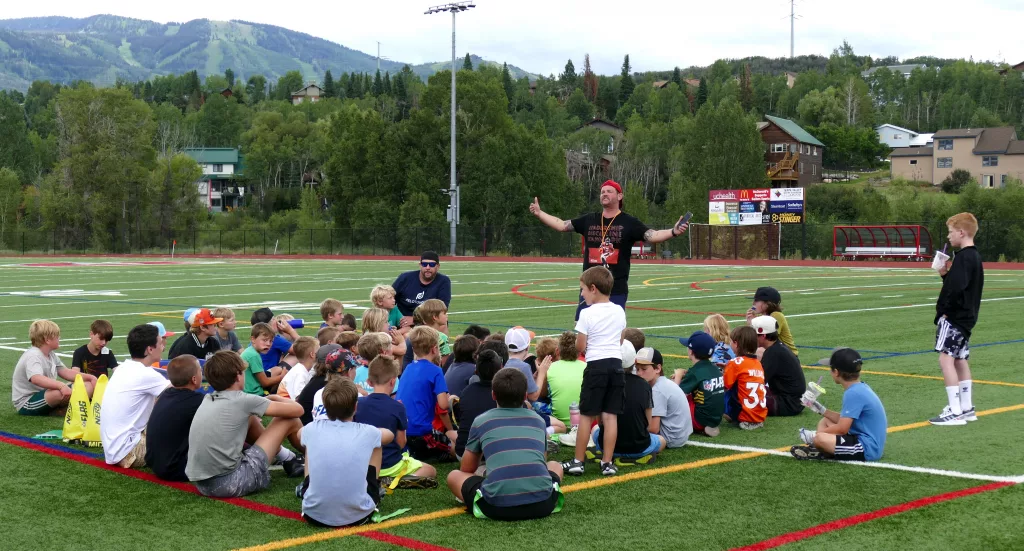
751 426
573 466
969 415
410 482
712 432
947 417
806 452
807 436
569 438
294 467
552 445
609 469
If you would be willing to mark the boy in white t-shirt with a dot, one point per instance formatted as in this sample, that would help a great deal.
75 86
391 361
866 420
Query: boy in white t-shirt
129 398
599 334
305 349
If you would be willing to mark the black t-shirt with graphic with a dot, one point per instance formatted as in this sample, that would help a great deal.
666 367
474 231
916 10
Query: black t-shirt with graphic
618 236
94 364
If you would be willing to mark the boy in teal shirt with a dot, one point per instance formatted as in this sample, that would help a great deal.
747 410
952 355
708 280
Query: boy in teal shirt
703 384
257 381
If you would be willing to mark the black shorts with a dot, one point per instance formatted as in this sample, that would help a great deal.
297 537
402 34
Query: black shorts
848 448
949 339
435 446
528 511
604 388
372 489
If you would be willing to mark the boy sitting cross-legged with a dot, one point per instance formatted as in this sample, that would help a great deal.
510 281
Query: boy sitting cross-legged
300 374
635 442
94 357
477 397
703 384
257 379
344 459
671 414
857 433
520 483
217 462
167 430
397 468
35 389
746 399
423 390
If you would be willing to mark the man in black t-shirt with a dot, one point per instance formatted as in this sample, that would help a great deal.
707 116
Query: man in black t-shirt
199 341
167 430
783 374
608 237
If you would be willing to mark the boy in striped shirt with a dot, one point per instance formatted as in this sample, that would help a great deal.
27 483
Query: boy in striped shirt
520 484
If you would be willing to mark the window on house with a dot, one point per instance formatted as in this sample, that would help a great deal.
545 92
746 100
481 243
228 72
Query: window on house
944 162
896 137
990 161
1002 181
946 145
215 186
814 150
814 169
987 180
913 161
778 148
611 145
215 202
218 168
801 168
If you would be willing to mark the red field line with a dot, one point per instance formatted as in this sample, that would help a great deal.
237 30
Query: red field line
854 520
238 502
785 263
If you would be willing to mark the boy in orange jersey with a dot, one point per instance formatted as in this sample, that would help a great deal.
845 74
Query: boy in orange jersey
746 400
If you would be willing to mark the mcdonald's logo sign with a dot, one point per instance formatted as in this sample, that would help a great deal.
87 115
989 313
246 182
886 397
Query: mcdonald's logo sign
745 194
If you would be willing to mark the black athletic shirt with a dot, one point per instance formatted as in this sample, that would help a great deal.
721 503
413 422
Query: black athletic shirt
633 435
784 377
960 297
622 231
189 344
167 432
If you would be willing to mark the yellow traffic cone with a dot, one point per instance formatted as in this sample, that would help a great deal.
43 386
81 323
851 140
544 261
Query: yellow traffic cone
92 424
78 411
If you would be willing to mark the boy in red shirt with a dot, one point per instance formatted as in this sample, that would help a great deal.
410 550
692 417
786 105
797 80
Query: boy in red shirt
744 381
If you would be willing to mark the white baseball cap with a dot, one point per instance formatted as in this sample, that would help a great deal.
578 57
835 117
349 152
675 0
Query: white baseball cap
764 325
518 339
628 356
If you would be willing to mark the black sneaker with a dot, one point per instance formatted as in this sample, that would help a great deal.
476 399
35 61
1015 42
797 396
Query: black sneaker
294 467
806 452
573 466
609 469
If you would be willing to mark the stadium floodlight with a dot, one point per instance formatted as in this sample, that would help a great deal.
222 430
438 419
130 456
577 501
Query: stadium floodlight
453 194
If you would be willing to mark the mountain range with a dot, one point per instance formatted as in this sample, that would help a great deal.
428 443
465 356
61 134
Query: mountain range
102 48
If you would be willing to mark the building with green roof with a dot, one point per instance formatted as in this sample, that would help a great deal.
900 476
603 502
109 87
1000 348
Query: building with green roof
219 187
792 155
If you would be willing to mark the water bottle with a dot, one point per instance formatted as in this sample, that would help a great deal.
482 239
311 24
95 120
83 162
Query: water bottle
574 414
297 324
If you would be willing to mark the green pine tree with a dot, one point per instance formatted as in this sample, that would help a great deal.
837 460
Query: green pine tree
229 75
677 78
702 92
626 84
330 90
508 85
467 64
378 84
387 83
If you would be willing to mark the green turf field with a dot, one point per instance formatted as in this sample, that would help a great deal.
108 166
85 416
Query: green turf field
696 497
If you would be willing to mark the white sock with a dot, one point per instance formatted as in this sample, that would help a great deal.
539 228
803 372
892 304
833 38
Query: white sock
550 430
284 454
965 395
953 393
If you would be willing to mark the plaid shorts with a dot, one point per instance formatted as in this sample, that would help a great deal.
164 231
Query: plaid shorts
950 340
251 475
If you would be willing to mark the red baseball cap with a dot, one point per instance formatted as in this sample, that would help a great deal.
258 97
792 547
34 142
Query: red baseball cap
613 184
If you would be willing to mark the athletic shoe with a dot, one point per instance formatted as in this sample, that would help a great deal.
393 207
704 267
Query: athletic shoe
751 426
294 467
807 436
569 438
712 432
410 482
969 415
609 469
573 466
806 452
552 445
947 417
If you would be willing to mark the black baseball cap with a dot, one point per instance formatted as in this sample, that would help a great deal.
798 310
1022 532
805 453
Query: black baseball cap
430 255
846 360
768 294
263 315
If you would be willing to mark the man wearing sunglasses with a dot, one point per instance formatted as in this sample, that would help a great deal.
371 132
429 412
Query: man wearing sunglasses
414 287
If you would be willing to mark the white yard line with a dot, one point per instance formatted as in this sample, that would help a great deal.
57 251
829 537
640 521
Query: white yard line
871 464
2 347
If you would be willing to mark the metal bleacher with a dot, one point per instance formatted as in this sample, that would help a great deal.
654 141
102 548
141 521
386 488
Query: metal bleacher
894 241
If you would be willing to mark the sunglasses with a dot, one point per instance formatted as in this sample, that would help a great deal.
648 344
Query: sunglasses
427 264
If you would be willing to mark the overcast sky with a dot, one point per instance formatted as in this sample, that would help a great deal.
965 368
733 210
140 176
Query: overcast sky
540 36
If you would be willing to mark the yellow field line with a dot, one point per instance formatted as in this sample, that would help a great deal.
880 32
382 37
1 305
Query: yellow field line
929 377
588 485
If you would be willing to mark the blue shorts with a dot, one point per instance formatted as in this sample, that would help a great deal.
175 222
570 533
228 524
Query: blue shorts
653 447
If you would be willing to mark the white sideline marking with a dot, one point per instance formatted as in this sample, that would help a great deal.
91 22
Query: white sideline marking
24 349
874 464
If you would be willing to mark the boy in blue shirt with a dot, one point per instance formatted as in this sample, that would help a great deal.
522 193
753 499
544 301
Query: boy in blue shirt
280 346
423 391
857 433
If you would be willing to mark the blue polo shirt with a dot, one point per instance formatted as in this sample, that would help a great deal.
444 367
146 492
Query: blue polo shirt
410 292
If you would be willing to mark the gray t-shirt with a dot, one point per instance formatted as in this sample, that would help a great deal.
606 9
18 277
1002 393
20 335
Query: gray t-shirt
670 404
338 454
230 343
531 384
33 362
218 432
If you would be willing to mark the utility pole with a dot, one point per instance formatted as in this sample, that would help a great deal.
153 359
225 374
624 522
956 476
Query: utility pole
792 26
453 190
378 56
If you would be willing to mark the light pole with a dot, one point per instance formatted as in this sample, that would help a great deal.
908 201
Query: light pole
453 190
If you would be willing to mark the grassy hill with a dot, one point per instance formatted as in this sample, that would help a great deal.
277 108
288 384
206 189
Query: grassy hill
103 47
